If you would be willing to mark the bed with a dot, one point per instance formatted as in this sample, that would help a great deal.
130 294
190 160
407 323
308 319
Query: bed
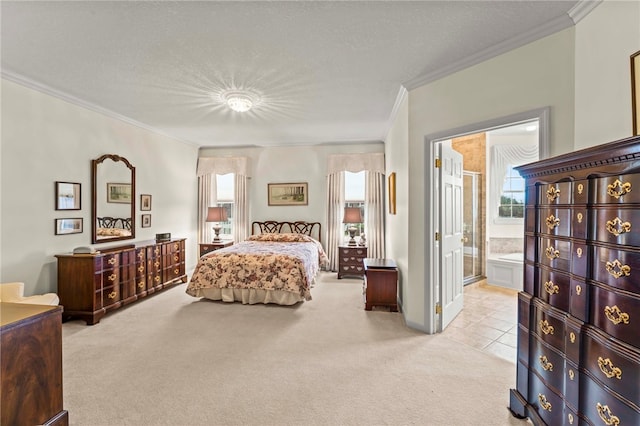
277 264
113 227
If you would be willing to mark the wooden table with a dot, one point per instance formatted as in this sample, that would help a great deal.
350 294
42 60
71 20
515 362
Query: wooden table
380 283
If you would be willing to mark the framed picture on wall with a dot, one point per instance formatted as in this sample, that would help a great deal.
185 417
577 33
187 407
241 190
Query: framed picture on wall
635 92
146 220
69 226
68 196
288 194
145 202
392 193
119 193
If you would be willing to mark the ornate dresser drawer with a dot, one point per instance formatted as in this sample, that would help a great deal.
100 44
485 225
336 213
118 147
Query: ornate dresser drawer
549 324
554 288
617 189
616 312
548 405
613 364
602 407
549 363
617 268
350 260
617 226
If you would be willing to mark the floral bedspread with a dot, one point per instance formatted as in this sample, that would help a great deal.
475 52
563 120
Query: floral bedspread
287 262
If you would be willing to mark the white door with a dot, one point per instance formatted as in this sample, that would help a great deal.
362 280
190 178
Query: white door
451 237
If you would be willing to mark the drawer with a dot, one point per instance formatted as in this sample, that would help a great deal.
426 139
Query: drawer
110 277
531 249
619 226
579 299
110 261
616 313
354 251
580 189
529 278
555 222
617 268
617 189
573 339
549 364
601 407
524 309
571 385
547 404
568 256
555 193
615 365
554 288
154 279
549 324
110 295
352 268
141 284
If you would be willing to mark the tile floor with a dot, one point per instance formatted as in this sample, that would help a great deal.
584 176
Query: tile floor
488 321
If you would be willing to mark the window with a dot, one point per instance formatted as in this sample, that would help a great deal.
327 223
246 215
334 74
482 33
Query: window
512 197
225 191
354 196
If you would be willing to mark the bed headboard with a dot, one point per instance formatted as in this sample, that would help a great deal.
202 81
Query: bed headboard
114 222
311 229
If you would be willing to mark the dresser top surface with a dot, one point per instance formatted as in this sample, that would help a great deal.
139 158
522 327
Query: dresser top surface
371 263
14 312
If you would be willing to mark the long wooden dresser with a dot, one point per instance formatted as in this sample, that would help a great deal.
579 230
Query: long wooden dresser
90 285
579 313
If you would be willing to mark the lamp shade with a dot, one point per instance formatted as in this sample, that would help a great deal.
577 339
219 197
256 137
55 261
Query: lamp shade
216 214
352 215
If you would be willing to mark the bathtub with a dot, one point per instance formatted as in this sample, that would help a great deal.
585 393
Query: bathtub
506 270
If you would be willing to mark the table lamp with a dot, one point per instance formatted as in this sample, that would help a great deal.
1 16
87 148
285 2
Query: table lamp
352 215
216 214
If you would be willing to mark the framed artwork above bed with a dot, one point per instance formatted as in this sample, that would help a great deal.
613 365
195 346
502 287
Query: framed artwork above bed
288 194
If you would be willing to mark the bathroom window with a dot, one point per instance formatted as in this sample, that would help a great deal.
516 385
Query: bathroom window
512 196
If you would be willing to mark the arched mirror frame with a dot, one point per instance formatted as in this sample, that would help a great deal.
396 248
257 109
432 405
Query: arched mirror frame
94 191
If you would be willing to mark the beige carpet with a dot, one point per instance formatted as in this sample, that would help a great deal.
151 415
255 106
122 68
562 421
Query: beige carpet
175 360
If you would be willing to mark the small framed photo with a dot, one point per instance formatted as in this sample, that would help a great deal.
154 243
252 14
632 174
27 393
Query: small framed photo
119 193
68 196
145 202
69 226
287 194
146 220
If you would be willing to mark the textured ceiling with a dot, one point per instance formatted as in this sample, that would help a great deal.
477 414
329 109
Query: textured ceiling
326 72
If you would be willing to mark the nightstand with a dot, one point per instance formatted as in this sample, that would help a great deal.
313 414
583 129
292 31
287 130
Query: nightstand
380 284
209 247
350 261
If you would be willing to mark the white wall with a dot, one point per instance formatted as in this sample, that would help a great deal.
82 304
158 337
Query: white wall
290 164
45 139
605 40
397 226
534 76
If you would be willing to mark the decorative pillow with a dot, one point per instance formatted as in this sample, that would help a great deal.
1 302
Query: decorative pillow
282 238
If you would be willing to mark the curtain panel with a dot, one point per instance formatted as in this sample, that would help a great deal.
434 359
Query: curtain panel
503 156
374 191
206 197
335 211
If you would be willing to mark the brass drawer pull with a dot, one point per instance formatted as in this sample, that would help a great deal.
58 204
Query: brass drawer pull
572 374
617 226
552 222
176 271
616 316
544 404
552 253
544 362
606 366
617 189
579 216
617 269
141 284
578 289
157 278
112 261
176 258
111 277
175 246
141 268
605 414
552 193
157 263
572 337
570 418
112 295
551 288
546 327
140 255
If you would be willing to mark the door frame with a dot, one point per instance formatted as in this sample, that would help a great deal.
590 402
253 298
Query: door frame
431 293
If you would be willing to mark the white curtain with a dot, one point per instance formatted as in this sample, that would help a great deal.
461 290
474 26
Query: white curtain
206 198
503 156
374 213
208 168
240 214
335 206
373 162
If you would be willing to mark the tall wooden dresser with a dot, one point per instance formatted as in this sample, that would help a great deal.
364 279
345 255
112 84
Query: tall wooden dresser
579 313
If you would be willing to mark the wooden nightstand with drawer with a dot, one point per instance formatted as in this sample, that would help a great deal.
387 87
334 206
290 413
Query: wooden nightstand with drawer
209 247
350 261
380 284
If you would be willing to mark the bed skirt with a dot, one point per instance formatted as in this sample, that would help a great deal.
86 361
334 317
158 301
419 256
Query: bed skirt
250 296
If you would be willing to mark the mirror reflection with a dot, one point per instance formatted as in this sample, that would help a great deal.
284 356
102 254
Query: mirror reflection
113 199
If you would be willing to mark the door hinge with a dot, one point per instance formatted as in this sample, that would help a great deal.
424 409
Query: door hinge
438 163
437 236
438 308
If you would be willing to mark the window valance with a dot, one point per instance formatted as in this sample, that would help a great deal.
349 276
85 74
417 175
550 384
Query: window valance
223 165
373 162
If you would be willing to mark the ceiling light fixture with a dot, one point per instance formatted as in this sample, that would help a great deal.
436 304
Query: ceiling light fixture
239 101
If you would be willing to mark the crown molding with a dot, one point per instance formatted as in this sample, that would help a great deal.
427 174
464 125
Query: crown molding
582 9
402 94
42 88
558 24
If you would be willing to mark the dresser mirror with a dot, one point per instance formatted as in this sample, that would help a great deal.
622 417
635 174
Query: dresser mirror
113 181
